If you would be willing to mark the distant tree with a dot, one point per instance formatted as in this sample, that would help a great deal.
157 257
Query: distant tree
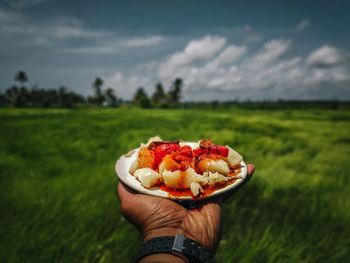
24 96
14 96
97 86
35 96
21 77
174 93
111 98
4 100
64 99
141 98
159 96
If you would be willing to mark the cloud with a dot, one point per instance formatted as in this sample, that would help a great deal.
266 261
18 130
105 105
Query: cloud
271 51
214 68
20 4
225 65
196 50
143 41
326 56
245 34
59 32
303 24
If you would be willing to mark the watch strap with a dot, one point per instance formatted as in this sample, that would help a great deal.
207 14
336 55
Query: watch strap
178 245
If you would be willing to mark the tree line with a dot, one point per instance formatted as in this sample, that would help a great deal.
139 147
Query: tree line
20 95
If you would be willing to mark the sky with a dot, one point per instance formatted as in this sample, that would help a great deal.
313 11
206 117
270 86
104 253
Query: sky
223 50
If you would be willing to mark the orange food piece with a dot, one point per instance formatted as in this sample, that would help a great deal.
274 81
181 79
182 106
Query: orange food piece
203 165
145 158
168 164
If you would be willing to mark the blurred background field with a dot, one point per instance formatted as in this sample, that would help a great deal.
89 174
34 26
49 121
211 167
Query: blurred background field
58 186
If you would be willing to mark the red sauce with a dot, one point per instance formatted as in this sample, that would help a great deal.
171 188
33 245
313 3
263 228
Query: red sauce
208 190
176 192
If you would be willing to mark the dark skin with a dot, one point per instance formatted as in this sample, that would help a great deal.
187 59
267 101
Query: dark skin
155 216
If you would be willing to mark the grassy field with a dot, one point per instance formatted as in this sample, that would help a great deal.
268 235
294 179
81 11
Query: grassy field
58 185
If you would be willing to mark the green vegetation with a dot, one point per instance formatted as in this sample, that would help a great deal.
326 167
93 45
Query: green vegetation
58 185
21 96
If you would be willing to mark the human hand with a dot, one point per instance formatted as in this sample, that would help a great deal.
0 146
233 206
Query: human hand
155 216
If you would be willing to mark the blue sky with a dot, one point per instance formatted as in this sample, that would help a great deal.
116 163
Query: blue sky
222 49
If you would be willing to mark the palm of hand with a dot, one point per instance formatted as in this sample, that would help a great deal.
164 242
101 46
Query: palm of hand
161 217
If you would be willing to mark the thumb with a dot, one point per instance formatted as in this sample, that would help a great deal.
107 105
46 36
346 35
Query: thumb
250 172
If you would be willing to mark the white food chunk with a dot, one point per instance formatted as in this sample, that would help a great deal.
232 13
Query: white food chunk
148 177
192 145
154 139
216 178
182 179
233 158
196 188
133 167
214 166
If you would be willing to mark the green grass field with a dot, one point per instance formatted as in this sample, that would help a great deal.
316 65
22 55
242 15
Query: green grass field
58 186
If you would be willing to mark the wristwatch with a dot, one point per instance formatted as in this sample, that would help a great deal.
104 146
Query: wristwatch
178 245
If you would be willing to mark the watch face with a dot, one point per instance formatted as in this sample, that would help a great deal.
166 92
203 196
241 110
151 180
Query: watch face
125 162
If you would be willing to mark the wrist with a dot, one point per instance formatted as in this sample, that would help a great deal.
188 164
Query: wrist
173 231
161 232
186 249
163 257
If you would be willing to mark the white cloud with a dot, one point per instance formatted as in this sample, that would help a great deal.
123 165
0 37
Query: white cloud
59 30
125 85
196 50
74 31
143 41
204 48
245 34
326 56
270 52
303 24
230 54
211 66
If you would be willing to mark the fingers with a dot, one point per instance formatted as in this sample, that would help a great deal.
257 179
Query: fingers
125 191
213 206
127 198
250 171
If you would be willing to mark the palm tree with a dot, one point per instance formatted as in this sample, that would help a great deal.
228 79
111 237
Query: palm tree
21 77
159 96
141 98
97 84
112 99
175 91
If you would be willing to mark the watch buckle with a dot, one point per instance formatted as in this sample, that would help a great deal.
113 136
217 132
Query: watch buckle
178 243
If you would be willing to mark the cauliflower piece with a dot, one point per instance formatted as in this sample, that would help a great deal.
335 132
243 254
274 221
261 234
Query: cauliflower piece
154 139
148 177
182 179
233 158
133 167
192 145
196 188
215 178
219 166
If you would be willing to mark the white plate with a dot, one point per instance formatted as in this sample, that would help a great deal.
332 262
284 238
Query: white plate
122 169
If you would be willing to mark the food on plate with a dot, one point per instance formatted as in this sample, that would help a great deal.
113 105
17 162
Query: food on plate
176 166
